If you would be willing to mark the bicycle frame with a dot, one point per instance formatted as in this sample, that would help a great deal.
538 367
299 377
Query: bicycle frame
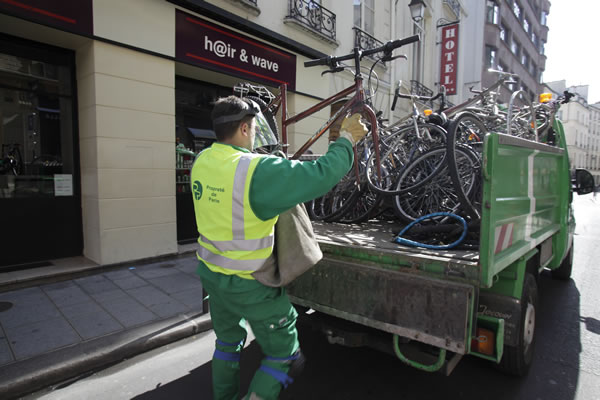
355 104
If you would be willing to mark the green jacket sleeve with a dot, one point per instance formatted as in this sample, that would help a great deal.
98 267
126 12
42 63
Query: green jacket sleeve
279 184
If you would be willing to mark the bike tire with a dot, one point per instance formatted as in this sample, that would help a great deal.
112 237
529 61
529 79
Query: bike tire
435 195
396 152
460 132
366 207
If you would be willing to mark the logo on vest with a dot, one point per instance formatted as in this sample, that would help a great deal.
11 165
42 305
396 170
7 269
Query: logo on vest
197 189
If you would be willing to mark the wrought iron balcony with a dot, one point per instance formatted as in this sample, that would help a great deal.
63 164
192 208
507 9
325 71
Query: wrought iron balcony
314 16
454 6
364 41
418 89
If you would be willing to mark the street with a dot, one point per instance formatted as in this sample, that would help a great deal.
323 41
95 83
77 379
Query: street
566 365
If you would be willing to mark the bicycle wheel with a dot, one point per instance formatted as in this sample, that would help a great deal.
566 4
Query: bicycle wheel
465 134
437 194
331 206
397 151
366 207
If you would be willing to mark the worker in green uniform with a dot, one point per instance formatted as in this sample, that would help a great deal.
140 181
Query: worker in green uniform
237 198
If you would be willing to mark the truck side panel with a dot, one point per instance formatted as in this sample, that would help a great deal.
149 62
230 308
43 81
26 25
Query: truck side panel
522 198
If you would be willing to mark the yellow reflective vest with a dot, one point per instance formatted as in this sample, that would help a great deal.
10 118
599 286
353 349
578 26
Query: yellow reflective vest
232 239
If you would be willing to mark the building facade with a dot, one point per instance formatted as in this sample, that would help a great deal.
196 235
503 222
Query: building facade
581 122
510 36
96 97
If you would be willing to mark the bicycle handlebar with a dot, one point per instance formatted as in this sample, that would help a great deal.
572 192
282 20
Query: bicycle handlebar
390 46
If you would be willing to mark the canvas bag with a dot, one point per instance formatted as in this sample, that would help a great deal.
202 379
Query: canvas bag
296 249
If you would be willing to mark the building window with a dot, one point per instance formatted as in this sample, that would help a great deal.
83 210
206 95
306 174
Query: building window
544 18
493 12
542 47
515 47
501 66
534 38
517 10
533 69
525 60
503 33
490 56
526 25
364 15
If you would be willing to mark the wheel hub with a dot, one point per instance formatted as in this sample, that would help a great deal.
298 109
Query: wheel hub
529 326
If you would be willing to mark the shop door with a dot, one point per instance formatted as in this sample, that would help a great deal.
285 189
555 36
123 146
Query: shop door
193 104
40 200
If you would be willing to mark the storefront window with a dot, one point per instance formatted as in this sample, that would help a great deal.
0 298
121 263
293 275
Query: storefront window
36 128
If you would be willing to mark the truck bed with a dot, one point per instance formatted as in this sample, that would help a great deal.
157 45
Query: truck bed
361 260
377 236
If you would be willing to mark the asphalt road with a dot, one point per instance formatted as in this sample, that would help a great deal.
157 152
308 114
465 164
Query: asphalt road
566 365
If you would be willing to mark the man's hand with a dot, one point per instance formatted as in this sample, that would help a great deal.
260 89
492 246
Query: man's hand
353 128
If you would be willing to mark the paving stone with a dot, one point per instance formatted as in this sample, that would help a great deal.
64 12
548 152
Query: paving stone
118 274
188 266
41 337
169 309
66 294
191 298
149 295
88 308
6 355
156 270
94 325
24 313
128 311
24 296
176 283
109 295
130 282
97 285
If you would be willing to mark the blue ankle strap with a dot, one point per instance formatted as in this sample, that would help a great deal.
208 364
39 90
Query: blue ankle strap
281 377
222 355
222 343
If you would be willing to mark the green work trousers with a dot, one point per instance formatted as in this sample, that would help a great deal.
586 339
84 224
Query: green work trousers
233 301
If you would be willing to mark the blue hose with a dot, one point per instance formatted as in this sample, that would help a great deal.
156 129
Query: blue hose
407 242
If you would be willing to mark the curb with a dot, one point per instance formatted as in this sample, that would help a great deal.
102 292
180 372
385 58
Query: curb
28 376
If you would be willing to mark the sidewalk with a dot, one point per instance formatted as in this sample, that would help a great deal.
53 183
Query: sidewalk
54 330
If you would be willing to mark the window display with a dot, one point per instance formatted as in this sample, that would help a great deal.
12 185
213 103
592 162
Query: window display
36 139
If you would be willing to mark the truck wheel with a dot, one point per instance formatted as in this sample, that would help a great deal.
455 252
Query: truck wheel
517 359
563 272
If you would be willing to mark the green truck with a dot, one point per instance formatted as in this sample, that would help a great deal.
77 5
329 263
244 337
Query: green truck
432 307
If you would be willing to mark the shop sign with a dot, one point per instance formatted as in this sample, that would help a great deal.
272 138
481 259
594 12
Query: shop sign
449 60
72 16
215 47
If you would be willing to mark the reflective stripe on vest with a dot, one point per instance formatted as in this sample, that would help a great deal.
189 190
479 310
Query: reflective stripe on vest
229 263
239 244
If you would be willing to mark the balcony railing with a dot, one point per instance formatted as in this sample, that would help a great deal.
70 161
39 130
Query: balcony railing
418 89
314 16
364 41
454 6
253 2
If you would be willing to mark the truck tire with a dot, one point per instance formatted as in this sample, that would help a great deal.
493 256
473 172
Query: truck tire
517 359
563 272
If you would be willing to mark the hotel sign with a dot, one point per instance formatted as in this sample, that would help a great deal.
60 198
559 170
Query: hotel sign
215 47
449 60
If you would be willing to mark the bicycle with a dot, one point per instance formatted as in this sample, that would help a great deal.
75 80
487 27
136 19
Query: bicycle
405 142
342 197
